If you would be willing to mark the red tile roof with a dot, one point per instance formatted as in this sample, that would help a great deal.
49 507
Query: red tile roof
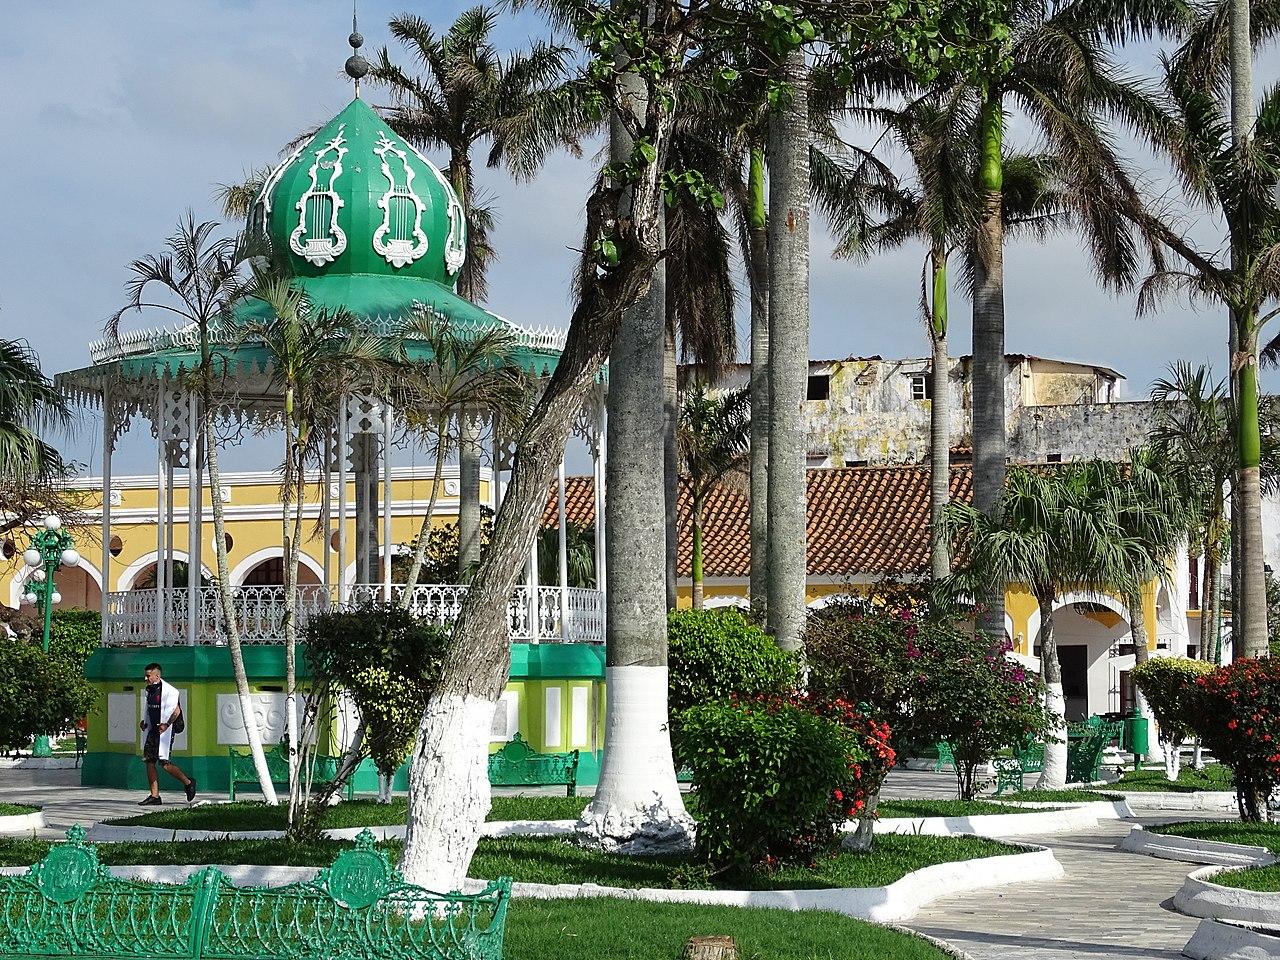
862 520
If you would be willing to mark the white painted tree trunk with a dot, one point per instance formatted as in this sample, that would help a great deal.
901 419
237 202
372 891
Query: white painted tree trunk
453 742
637 807
1172 759
1054 775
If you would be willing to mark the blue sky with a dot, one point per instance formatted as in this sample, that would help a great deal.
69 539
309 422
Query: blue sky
119 116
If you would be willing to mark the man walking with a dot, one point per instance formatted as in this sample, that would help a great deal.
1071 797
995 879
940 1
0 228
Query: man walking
160 712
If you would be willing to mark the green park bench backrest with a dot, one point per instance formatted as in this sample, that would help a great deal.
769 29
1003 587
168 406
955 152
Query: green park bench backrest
518 764
68 905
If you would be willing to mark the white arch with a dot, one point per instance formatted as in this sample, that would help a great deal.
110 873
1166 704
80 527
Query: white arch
245 566
24 573
726 600
1076 596
130 573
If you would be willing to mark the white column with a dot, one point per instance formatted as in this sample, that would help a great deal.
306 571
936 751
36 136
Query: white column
386 502
169 511
535 619
496 480
564 553
160 511
108 441
193 517
344 451
326 519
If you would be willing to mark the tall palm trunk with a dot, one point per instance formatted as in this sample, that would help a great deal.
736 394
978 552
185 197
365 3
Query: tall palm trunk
990 440
252 732
788 356
939 421
637 805
1138 627
758 275
1054 774
1206 605
424 529
696 560
292 514
468 495
670 460
1250 611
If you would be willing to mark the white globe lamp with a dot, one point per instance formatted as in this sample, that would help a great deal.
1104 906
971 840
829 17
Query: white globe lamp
51 522
28 598
56 598
33 558
70 557
38 575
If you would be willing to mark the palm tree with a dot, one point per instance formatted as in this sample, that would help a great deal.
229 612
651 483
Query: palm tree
714 441
30 405
788 156
467 95
941 208
468 369
1057 69
1052 530
315 356
1234 178
200 279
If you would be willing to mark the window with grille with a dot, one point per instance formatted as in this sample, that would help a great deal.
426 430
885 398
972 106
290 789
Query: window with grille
921 386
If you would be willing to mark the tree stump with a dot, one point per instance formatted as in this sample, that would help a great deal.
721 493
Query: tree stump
711 948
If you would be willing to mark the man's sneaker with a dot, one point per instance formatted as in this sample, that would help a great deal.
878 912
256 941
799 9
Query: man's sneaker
191 790
149 802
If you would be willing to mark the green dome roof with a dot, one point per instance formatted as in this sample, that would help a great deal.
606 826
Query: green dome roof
358 199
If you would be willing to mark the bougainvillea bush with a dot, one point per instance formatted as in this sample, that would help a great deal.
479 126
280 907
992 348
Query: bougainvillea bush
1168 684
777 778
1236 712
931 678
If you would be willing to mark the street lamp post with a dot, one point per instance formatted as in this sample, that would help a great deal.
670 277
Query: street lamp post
51 548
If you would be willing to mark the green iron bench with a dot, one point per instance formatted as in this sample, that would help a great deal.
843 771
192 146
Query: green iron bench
946 758
1011 771
243 771
1086 743
518 765
69 905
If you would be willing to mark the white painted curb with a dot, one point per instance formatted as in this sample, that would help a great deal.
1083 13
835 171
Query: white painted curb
1056 818
1192 850
1199 896
897 901
1216 800
38 763
22 823
109 833
1214 940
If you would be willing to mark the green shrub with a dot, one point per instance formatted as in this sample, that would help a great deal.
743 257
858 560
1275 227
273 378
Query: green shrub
767 775
388 661
715 654
1169 686
41 693
75 634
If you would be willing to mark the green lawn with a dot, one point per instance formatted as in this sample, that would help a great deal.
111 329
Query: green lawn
255 815
631 930
1227 831
549 860
16 809
1262 879
1061 796
1213 777
946 808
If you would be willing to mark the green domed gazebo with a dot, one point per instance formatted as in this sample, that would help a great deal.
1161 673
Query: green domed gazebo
366 223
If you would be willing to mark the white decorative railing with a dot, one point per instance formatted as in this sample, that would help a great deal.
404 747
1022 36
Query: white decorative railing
143 617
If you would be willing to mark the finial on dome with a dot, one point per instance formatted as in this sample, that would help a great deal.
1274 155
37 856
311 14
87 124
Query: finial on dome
357 66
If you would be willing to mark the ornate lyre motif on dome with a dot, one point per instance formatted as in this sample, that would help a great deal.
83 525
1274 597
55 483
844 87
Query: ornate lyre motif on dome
400 239
455 245
317 237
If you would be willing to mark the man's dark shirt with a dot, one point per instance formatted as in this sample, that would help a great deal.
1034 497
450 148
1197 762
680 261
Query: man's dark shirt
153 705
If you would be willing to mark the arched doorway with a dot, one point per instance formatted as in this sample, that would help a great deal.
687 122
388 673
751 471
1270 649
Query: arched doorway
270 573
1095 651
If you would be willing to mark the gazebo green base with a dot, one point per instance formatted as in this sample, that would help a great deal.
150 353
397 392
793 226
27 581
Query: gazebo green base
555 700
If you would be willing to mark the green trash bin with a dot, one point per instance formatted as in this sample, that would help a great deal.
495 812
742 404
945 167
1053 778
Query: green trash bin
1136 735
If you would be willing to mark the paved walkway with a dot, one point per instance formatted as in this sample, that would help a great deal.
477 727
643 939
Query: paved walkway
1111 905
